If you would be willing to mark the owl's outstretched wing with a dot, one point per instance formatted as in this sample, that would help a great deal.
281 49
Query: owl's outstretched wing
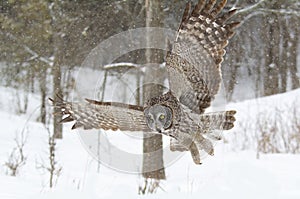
103 115
195 59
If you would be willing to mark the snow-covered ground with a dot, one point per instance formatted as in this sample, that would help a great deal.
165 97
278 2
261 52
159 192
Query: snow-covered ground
228 174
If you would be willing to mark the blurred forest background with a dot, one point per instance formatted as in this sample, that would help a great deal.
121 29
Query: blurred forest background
43 41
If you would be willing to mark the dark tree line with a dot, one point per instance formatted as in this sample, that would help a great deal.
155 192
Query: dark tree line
265 48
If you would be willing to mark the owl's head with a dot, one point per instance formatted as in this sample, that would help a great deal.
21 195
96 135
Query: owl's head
158 117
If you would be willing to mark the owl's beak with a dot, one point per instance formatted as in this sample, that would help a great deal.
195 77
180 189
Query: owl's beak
158 129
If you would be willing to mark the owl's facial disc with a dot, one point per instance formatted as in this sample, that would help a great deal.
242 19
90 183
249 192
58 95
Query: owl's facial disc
158 117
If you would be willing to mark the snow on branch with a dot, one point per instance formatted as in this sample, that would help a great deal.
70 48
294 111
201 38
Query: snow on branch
121 64
122 67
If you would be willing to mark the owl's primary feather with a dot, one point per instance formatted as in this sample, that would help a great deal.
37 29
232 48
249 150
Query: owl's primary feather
196 56
103 115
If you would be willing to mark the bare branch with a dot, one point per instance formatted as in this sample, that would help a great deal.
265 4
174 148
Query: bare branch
250 8
17 158
34 54
265 7
281 11
52 168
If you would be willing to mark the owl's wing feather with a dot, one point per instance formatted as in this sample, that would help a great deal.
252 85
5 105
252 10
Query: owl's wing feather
194 62
103 115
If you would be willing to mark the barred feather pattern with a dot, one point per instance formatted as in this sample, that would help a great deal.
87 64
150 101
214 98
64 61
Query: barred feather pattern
103 115
218 120
194 61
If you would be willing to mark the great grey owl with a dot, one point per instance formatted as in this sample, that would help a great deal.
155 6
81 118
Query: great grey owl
193 64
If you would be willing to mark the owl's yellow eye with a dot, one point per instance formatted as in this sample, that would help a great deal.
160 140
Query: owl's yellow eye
162 116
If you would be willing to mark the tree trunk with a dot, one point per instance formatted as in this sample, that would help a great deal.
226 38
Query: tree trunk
233 69
294 41
58 22
271 69
284 57
153 145
57 90
43 89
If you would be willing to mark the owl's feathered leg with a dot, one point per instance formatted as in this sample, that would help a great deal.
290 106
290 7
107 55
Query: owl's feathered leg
200 143
194 145
195 153
175 145
204 144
